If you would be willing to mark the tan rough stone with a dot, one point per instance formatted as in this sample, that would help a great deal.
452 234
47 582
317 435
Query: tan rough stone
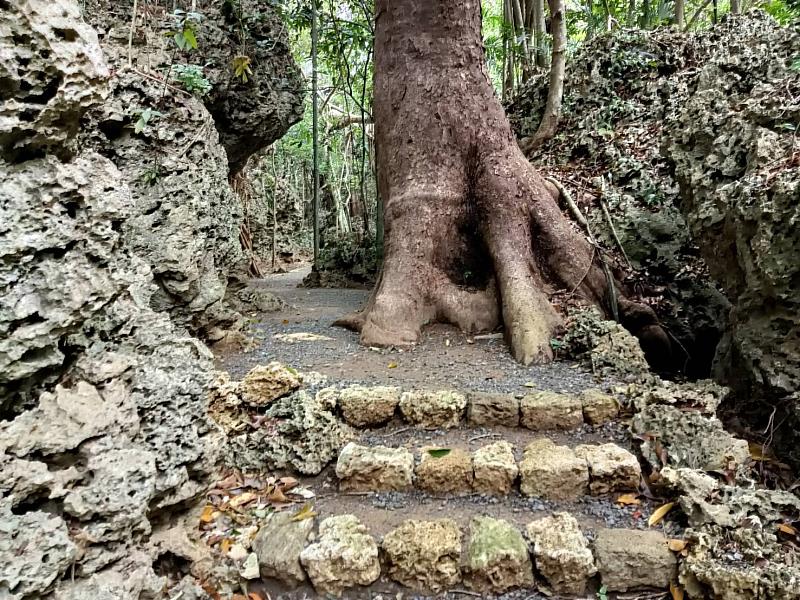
266 383
494 468
368 406
492 409
552 472
542 411
598 407
344 556
611 468
561 553
628 559
496 558
374 469
433 410
424 555
447 474
278 545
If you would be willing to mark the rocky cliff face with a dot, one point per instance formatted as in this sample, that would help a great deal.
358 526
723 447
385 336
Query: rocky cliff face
691 141
733 142
115 239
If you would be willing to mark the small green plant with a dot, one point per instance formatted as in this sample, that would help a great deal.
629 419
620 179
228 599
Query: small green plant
150 175
144 116
602 593
184 29
241 67
192 79
795 64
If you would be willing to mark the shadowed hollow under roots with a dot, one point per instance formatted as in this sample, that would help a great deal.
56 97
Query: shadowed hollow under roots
474 236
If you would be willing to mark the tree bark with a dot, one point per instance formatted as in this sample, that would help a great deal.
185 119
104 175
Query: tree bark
679 14
473 234
555 92
539 33
736 7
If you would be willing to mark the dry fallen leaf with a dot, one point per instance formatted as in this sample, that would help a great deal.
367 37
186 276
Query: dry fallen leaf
307 512
255 596
208 514
628 499
392 365
225 545
277 495
659 514
676 591
242 499
788 529
676 545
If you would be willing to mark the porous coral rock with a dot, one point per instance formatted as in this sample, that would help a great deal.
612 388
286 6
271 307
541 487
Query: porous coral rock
492 409
424 555
496 557
611 468
374 468
345 555
278 545
598 407
300 432
266 383
605 346
451 473
495 469
561 553
35 550
689 439
552 472
431 410
364 406
628 559
545 410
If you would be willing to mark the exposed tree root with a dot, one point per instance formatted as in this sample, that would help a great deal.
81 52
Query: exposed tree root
474 236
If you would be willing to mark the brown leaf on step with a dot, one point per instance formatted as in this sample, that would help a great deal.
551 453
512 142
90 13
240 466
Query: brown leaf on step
676 591
238 597
288 483
659 514
676 545
307 512
787 529
661 452
255 596
210 590
242 499
208 514
276 495
628 499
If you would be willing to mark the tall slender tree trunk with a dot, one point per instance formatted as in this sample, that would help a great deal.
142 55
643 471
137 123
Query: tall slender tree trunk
473 234
680 20
555 92
539 33
736 7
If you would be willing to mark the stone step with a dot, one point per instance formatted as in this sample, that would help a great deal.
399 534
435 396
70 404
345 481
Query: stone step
487 555
547 470
365 406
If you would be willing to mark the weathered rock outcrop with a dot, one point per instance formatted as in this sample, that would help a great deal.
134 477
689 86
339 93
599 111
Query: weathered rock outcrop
733 144
103 429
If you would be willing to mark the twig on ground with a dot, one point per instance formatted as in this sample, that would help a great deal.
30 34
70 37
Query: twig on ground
466 593
397 432
480 437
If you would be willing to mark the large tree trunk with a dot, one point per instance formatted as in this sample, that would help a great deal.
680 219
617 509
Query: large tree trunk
474 236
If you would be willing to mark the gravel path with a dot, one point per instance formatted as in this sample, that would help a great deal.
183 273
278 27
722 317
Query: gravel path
444 358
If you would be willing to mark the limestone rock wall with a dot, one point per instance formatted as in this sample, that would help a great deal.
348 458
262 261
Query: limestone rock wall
733 142
116 242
